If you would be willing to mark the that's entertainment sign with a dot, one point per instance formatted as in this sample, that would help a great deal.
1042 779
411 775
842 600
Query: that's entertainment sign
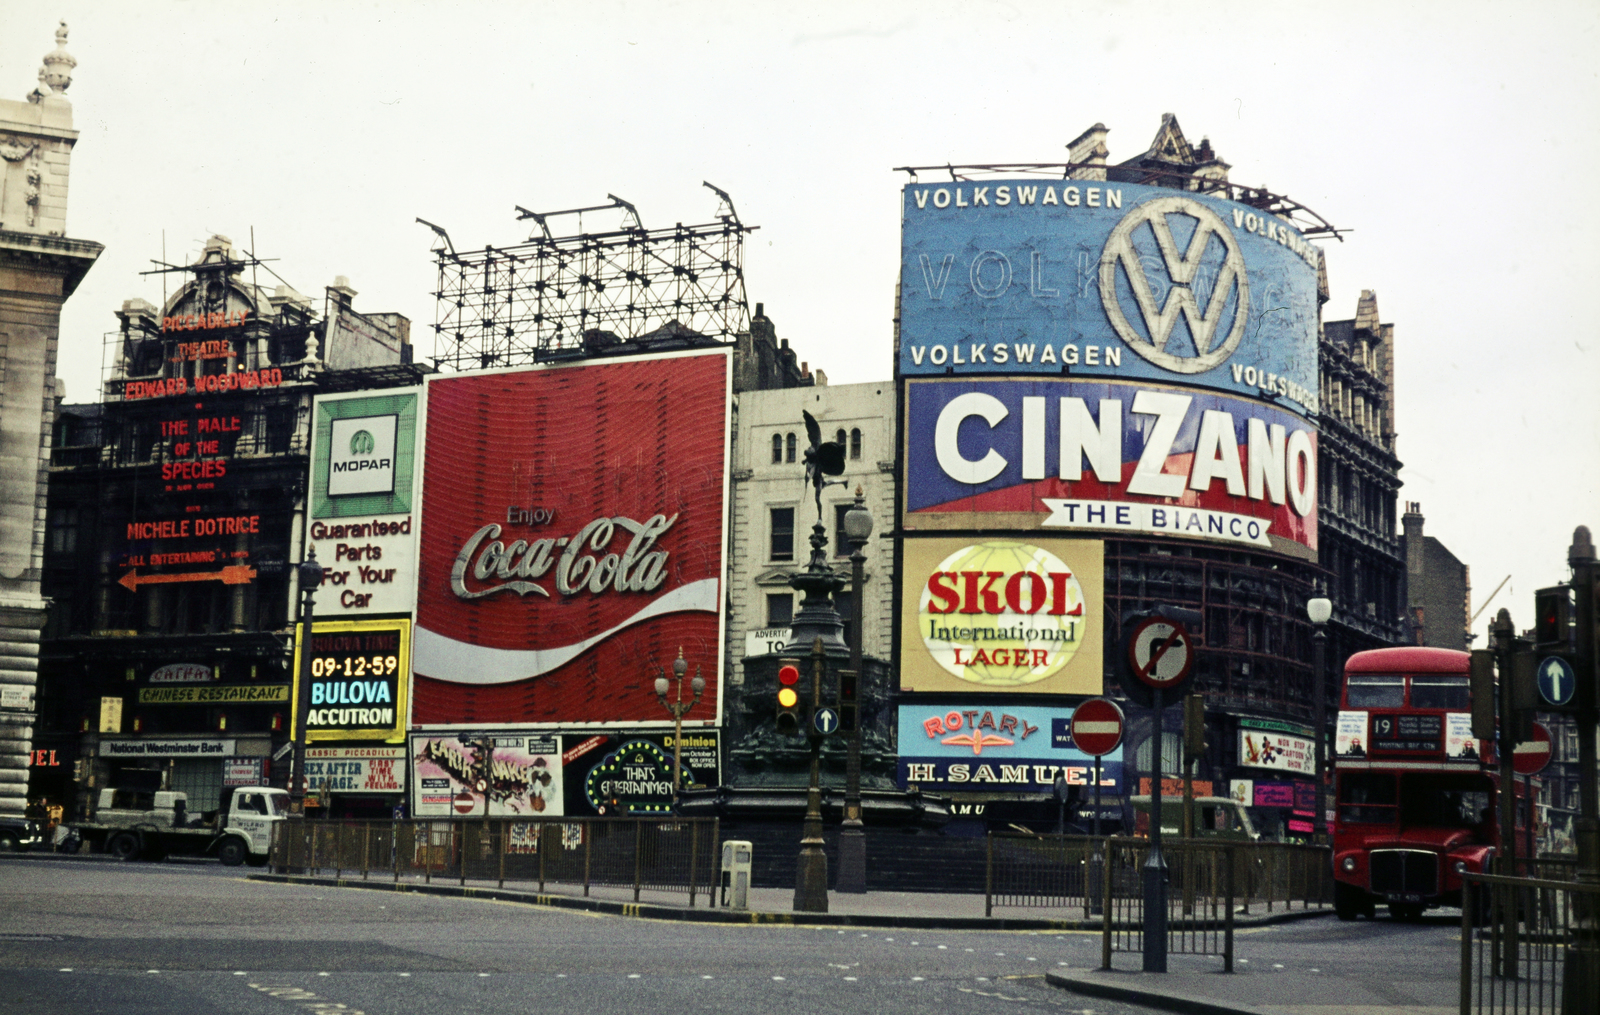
573 525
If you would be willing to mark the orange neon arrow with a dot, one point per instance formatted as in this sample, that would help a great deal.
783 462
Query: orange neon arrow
233 574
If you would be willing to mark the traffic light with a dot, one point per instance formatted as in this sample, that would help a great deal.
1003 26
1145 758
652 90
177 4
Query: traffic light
1194 727
847 701
1482 675
788 697
1552 624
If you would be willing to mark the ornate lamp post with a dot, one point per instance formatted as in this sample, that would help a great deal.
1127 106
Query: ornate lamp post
310 574
852 835
679 708
1319 610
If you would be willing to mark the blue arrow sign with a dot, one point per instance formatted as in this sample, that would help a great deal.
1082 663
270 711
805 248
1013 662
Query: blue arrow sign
826 720
1557 681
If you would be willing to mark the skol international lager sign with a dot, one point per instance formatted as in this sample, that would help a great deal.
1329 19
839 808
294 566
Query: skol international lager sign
1002 615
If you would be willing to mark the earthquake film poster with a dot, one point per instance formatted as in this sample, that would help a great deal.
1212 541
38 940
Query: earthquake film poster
448 775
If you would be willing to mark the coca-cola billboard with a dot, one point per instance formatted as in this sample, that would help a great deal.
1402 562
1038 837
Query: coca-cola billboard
573 526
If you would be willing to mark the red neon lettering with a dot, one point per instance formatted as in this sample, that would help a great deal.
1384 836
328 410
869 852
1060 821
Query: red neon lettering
938 587
984 595
1036 592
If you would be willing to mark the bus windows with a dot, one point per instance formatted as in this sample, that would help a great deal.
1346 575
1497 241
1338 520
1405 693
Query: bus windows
1367 798
1446 800
1362 691
1453 694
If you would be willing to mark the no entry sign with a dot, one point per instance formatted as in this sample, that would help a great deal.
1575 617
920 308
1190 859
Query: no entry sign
1531 756
1097 726
465 802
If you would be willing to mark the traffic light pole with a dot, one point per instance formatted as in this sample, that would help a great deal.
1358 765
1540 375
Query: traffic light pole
1155 865
1582 980
811 881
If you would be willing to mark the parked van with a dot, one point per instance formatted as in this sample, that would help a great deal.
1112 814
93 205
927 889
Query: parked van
1215 817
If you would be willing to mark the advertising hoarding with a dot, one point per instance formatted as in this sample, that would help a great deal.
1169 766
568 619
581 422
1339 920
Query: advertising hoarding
1107 279
1282 751
624 773
1001 615
363 491
448 780
359 679
1134 458
1014 748
573 526
356 769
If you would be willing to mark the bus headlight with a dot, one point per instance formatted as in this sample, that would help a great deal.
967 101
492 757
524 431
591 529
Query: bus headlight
1349 864
1461 865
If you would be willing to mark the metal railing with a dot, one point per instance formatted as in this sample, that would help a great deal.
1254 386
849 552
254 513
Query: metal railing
1066 872
1201 894
1529 945
646 854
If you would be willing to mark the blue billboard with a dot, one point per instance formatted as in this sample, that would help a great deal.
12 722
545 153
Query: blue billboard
990 748
1102 279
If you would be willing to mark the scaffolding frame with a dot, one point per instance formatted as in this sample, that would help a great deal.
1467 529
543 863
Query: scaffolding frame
559 297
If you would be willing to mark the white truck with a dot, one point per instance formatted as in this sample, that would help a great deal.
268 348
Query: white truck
135 824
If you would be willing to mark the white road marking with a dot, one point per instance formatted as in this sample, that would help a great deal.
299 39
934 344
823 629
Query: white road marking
777 978
916 979
852 979
633 976
66 970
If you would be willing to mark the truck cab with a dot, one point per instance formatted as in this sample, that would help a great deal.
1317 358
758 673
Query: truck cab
251 813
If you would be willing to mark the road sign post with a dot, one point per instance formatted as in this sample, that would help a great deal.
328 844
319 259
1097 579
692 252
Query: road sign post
1097 726
1160 660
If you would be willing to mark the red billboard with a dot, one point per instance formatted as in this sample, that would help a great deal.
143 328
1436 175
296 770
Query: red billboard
573 527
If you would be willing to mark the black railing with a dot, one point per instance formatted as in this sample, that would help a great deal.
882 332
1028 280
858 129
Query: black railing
645 854
1529 945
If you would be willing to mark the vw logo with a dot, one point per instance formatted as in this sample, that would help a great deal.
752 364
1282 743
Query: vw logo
362 443
1181 271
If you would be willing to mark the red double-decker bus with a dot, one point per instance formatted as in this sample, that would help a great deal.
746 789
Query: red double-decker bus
1417 793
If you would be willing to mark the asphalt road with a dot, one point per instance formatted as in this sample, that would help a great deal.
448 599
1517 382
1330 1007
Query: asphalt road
87 936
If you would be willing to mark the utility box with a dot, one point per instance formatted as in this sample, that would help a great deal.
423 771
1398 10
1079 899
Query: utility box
736 873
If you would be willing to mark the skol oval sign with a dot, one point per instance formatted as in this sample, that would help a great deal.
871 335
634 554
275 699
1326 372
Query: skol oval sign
1004 615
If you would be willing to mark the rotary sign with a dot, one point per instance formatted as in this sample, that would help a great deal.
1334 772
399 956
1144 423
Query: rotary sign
1002 615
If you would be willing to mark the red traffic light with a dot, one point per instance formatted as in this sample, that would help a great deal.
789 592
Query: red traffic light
788 675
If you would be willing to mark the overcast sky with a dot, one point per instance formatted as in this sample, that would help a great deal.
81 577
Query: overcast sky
1457 140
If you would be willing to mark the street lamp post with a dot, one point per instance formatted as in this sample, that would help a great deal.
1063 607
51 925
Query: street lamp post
852 833
310 575
679 708
1319 610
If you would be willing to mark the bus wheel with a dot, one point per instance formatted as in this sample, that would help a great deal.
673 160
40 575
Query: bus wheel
1349 901
124 846
1408 911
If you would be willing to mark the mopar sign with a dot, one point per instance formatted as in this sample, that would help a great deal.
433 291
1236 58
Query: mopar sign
1107 279
361 455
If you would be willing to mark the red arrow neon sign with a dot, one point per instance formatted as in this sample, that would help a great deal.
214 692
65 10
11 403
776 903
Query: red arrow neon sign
233 574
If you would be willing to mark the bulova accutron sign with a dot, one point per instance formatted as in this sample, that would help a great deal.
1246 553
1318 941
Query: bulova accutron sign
1095 278
573 528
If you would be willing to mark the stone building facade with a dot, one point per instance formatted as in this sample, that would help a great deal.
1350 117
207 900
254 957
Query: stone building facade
1362 557
1438 588
39 269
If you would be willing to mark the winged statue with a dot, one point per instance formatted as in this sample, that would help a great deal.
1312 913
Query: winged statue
823 459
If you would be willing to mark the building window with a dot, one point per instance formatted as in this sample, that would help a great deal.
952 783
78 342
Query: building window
855 442
777 449
64 530
841 546
782 543
843 602
780 609
790 446
838 438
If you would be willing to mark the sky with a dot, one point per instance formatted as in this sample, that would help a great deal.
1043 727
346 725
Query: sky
1454 140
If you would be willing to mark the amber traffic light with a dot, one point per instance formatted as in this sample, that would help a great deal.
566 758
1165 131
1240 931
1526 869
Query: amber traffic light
788 697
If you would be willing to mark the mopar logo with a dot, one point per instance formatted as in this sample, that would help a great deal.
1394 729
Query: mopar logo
362 453
361 463
361 443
